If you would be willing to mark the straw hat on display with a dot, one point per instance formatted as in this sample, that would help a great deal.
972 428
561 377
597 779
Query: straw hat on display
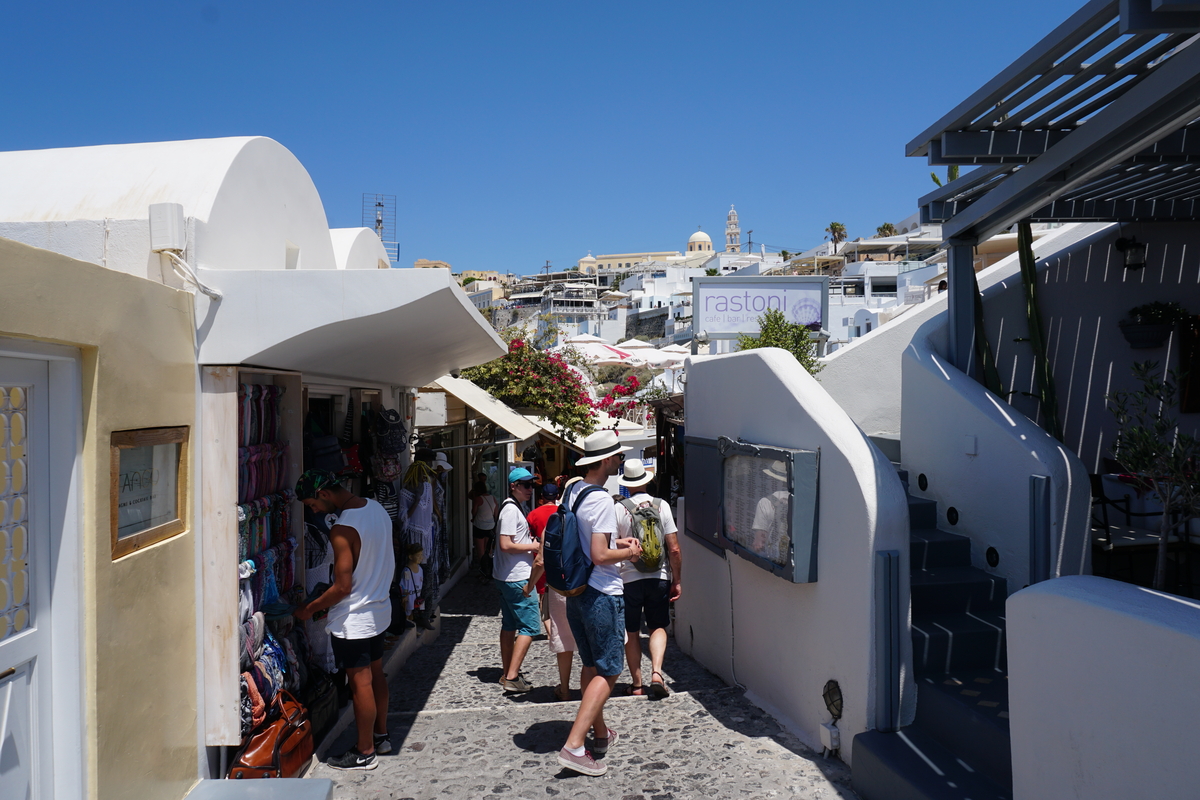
777 470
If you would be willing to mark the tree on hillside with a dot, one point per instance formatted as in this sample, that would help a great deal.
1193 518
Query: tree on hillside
837 233
886 229
775 331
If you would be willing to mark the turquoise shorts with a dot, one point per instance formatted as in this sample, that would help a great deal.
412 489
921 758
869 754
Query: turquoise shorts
518 612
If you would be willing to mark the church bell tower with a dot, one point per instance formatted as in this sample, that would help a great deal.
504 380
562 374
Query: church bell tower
733 234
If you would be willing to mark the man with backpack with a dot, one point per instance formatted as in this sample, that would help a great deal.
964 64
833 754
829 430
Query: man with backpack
651 582
585 532
512 565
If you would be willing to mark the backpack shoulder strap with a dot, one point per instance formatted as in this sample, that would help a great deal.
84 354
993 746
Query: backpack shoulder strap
628 504
582 493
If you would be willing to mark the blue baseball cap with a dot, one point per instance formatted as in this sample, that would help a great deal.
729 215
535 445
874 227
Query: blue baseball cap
519 474
549 491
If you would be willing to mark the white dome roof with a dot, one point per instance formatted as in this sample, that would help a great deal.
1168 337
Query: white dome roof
699 236
588 257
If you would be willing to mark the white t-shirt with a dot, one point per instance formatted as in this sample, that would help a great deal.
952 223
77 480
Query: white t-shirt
775 548
485 517
629 572
512 567
596 514
367 610
412 580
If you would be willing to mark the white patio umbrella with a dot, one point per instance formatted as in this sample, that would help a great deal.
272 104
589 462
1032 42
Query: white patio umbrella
634 344
584 338
676 348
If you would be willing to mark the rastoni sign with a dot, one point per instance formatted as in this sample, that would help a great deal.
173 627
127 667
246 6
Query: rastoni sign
725 307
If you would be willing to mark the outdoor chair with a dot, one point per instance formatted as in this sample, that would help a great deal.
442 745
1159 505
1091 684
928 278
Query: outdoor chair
1109 539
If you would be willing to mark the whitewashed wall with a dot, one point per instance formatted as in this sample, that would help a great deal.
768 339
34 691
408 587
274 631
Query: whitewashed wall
780 640
1102 691
864 376
977 454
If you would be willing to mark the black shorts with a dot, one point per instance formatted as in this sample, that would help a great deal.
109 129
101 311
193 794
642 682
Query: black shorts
648 595
353 653
480 533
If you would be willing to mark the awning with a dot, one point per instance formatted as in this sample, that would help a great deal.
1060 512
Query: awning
403 327
488 406
625 429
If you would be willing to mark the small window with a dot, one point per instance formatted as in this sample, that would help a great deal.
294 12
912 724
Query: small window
148 487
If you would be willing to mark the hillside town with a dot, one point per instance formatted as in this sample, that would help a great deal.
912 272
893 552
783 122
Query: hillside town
908 512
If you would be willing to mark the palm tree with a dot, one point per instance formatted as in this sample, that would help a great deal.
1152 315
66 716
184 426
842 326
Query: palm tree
951 175
837 233
886 229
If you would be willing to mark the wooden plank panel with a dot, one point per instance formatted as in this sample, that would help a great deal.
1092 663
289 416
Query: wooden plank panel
219 536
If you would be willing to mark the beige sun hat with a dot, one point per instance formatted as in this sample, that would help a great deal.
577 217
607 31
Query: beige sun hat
777 470
599 446
636 473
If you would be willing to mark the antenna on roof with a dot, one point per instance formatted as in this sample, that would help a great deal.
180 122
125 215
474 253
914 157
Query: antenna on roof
379 214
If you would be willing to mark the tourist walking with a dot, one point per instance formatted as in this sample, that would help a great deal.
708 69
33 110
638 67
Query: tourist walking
597 616
651 583
483 518
511 568
359 604
554 605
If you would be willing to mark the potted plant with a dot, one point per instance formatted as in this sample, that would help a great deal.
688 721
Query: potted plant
1149 325
1162 458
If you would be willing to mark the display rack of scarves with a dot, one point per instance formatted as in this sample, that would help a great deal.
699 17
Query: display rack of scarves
262 470
267 575
258 413
264 522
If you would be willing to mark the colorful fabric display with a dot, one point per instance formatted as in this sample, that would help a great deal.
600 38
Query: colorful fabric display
264 522
275 573
258 413
253 708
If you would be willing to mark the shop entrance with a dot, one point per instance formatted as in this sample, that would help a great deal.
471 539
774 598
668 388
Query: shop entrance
26 531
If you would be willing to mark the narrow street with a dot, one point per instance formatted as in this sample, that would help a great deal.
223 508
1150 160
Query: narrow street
456 734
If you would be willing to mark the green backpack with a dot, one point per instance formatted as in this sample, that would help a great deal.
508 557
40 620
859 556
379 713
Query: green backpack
647 527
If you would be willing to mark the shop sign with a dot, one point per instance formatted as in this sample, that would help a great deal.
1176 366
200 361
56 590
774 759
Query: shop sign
725 307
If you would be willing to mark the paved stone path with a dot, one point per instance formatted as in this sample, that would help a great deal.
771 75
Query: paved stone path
457 735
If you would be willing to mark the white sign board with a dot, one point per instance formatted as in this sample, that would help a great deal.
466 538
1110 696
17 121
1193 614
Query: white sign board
725 307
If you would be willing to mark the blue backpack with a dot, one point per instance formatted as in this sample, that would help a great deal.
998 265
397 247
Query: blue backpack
568 567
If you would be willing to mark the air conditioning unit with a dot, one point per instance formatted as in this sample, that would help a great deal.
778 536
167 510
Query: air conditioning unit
168 229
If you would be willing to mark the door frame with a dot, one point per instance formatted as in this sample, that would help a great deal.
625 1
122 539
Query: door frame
68 718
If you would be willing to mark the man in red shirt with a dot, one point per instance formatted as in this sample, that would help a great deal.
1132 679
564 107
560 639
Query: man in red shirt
562 643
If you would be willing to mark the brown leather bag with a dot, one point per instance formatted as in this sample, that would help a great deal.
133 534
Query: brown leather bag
281 747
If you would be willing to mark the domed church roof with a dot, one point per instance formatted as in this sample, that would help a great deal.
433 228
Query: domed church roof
699 236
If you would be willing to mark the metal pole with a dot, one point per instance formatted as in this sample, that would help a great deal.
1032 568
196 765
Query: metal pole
961 285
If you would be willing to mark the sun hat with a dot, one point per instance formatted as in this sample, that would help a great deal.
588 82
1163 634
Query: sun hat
635 473
519 474
599 446
441 461
313 481
777 470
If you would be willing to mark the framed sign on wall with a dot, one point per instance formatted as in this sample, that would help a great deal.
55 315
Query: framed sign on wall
148 487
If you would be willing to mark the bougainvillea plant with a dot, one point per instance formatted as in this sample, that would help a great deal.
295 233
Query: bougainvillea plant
621 398
526 377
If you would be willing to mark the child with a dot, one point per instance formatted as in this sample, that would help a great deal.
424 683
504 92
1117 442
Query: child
411 582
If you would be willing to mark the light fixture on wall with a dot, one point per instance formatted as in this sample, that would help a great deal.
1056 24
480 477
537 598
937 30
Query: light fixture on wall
1133 251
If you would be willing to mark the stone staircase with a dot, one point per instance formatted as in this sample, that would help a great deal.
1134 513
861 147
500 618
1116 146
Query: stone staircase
958 746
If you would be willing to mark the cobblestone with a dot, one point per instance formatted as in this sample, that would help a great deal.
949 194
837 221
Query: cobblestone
456 734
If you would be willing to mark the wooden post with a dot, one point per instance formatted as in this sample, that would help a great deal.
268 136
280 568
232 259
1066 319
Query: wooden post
219 543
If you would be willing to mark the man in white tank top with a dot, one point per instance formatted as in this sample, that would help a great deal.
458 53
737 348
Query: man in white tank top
359 604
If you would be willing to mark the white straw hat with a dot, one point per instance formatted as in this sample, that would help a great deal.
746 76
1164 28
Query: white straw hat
635 473
599 446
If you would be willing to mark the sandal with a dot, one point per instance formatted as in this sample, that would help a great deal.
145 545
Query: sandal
562 694
658 689
636 691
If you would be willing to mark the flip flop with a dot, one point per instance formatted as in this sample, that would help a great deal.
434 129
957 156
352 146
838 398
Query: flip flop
658 689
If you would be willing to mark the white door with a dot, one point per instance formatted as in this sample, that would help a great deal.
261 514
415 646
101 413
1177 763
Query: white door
25 537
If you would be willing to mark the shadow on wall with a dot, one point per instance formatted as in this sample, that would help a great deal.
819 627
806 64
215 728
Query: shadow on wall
1084 292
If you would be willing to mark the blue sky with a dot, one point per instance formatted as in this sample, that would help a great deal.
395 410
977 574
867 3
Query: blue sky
520 132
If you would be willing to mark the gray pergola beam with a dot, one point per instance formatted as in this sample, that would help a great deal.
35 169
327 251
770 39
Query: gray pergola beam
1022 147
1118 210
1157 106
1038 60
960 273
